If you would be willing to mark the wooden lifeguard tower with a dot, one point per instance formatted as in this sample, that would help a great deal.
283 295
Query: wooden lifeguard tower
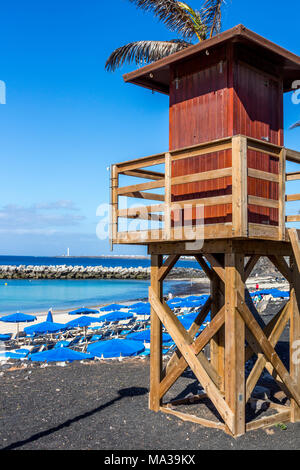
226 162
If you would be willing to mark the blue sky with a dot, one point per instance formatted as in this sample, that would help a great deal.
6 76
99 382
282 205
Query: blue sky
66 119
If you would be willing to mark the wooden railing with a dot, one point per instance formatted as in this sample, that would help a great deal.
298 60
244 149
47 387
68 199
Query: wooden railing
160 212
294 157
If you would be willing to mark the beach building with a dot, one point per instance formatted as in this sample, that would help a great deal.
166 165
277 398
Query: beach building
220 196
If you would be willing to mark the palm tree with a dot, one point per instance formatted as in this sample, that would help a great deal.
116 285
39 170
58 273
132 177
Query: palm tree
181 19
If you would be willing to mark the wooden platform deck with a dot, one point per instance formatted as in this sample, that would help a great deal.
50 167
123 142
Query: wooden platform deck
168 220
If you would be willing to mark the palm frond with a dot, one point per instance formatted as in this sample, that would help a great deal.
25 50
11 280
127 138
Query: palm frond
176 18
212 15
294 126
144 52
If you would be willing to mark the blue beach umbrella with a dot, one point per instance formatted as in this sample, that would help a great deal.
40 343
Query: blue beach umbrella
139 305
111 308
18 318
144 310
5 337
49 317
84 311
19 354
45 328
145 336
115 316
59 355
116 348
81 322
187 320
188 304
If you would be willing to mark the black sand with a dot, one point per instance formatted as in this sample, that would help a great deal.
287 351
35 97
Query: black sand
104 405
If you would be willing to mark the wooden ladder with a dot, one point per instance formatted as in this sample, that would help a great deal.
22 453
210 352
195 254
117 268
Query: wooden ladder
294 237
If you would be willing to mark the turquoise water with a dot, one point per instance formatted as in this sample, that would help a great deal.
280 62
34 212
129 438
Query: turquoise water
40 295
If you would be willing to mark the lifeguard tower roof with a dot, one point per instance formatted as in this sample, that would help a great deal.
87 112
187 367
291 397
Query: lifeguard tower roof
253 47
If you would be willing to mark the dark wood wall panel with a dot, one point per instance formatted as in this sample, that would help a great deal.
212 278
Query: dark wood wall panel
225 97
259 115
198 113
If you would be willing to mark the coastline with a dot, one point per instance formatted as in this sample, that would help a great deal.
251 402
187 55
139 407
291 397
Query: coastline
182 287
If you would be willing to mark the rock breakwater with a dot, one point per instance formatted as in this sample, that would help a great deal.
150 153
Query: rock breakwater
89 272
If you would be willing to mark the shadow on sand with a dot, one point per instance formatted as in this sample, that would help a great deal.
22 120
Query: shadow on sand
126 392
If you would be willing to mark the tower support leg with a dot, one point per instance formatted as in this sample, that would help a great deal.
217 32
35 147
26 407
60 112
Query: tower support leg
295 336
217 349
156 337
235 341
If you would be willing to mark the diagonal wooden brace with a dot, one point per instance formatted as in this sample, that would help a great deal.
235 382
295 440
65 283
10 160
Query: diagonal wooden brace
277 330
192 332
188 350
267 349
175 372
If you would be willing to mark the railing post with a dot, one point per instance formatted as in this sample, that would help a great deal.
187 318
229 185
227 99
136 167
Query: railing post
168 196
239 186
282 186
114 184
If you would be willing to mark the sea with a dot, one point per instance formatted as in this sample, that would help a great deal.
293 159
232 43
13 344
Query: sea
37 296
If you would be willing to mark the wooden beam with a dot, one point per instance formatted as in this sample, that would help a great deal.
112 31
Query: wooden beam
292 197
145 174
295 336
264 147
267 421
178 368
156 337
281 197
213 246
206 201
141 187
292 156
202 358
216 266
141 195
202 149
204 176
217 343
235 341
294 176
168 197
145 216
204 266
293 218
250 266
142 209
282 266
273 337
185 344
294 237
263 202
193 419
174 360
239 187
114 203
263 175
167 266
267 349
